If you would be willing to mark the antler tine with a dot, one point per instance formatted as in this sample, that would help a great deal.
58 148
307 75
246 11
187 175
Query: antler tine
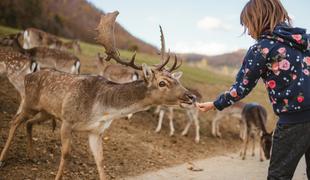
131 63
161 66
163 44
133 58
178 66
174 63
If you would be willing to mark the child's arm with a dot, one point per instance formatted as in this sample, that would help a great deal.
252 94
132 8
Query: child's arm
253 66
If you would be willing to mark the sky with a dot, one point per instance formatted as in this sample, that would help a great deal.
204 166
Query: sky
207 27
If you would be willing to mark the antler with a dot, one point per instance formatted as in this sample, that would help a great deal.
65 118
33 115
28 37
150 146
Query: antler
106 37
175 65
163 52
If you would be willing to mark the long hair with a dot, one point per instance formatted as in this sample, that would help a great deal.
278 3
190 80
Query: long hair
259 16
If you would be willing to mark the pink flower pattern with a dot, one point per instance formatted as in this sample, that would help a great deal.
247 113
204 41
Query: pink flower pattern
284 65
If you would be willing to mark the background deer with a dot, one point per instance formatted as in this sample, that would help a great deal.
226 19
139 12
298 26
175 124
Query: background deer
254 117
233 111
191 111
15 66
33 37
85 103
44 56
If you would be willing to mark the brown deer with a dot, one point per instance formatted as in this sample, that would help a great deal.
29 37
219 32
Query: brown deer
44 56
33 37
86 103
15 66
254 117
192 114
74 45
233 111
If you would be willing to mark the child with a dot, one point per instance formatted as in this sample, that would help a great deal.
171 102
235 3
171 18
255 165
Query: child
281 57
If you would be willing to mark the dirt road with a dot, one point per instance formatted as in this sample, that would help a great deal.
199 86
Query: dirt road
229 167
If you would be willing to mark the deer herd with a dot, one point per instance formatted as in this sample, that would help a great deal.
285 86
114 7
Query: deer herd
47 77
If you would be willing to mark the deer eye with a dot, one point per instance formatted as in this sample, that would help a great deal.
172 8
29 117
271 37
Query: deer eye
162 84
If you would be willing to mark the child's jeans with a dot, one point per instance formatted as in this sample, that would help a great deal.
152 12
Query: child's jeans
290 143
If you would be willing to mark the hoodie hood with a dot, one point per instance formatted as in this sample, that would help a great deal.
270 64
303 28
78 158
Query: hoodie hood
294 37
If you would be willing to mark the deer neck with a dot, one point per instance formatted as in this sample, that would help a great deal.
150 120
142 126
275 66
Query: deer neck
133 96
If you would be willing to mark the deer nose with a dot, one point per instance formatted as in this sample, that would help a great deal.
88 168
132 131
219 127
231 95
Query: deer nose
192 97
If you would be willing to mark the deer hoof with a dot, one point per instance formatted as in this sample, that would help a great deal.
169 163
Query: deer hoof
171 134
2 164
157 130
243 158
197 140
261 160
253 154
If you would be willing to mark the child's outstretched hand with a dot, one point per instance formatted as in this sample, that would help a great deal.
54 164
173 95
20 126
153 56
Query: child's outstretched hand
206 106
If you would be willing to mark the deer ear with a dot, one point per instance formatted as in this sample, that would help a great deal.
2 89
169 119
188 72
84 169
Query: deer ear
147 72
177 75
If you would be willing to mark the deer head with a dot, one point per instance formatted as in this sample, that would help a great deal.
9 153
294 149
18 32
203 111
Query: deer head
163 84
266 141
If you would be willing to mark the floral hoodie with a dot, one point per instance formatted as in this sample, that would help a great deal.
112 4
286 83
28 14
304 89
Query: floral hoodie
282 59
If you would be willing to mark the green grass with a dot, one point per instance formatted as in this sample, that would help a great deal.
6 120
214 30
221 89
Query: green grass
7 30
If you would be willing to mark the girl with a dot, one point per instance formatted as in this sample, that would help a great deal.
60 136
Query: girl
281 57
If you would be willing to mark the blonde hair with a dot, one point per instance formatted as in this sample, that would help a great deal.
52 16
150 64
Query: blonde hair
259 16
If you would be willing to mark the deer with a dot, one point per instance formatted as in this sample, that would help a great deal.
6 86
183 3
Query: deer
254 117
44 56
192 114
89 103
33 37
233 111
74 45
15 66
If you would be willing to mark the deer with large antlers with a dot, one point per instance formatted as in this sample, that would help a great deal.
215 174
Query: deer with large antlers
85 103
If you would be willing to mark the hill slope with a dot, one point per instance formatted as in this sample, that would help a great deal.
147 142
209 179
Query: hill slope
67 18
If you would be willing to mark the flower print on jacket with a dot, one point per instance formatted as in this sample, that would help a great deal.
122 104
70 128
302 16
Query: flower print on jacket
284 65
306 72
307 60
297 38
282 50
272 84
300 98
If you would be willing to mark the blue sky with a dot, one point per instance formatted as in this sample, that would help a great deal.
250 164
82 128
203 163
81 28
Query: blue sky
199 26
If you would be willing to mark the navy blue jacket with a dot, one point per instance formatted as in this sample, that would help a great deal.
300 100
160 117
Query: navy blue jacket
282 59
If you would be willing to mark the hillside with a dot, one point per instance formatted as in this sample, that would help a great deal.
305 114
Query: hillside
73 19
233 59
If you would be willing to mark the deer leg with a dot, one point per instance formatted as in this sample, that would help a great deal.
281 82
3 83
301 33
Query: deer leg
19 118
261 154
214 122
66 136
38 118
253 147
160 120
95 143
157 110
246 142
196 120
189 123
171 121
